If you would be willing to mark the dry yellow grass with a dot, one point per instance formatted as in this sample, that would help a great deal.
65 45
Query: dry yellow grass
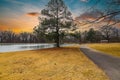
66 63
109 48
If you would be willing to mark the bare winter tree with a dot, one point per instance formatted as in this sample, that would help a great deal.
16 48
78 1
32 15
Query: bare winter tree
0 36
26 37
7 36
116 34
107 32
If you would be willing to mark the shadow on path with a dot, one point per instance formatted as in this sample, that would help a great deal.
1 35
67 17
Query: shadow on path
110 64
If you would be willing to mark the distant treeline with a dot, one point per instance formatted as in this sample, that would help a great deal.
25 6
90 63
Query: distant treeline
111 34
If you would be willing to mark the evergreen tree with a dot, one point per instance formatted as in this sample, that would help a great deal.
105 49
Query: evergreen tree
56 19
91 35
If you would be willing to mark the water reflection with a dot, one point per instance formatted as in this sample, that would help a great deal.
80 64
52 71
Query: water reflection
38 46
22 47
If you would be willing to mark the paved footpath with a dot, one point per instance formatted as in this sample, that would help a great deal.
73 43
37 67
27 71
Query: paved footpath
110 64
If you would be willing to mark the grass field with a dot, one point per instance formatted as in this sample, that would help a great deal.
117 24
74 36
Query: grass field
109 48
67 63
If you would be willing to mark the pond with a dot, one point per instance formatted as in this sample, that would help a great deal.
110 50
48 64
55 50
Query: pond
23 47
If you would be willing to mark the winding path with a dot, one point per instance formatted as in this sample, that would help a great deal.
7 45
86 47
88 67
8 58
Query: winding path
110 64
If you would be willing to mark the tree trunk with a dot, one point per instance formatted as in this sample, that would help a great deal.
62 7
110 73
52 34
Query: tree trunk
57 38
57 31
57 34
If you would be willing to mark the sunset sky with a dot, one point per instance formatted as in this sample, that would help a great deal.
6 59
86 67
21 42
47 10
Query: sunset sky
22 15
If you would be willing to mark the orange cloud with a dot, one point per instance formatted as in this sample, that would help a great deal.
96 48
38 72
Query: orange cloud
33 14
92 15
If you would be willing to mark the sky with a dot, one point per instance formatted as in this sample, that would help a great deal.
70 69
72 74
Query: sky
22 15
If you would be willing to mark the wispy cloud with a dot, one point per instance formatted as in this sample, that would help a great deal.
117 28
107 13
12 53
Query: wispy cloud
92 15
15 2
84 0
16 20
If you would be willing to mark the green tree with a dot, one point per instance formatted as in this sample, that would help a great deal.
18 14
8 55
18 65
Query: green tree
91 35
57 19
77 36
40 33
